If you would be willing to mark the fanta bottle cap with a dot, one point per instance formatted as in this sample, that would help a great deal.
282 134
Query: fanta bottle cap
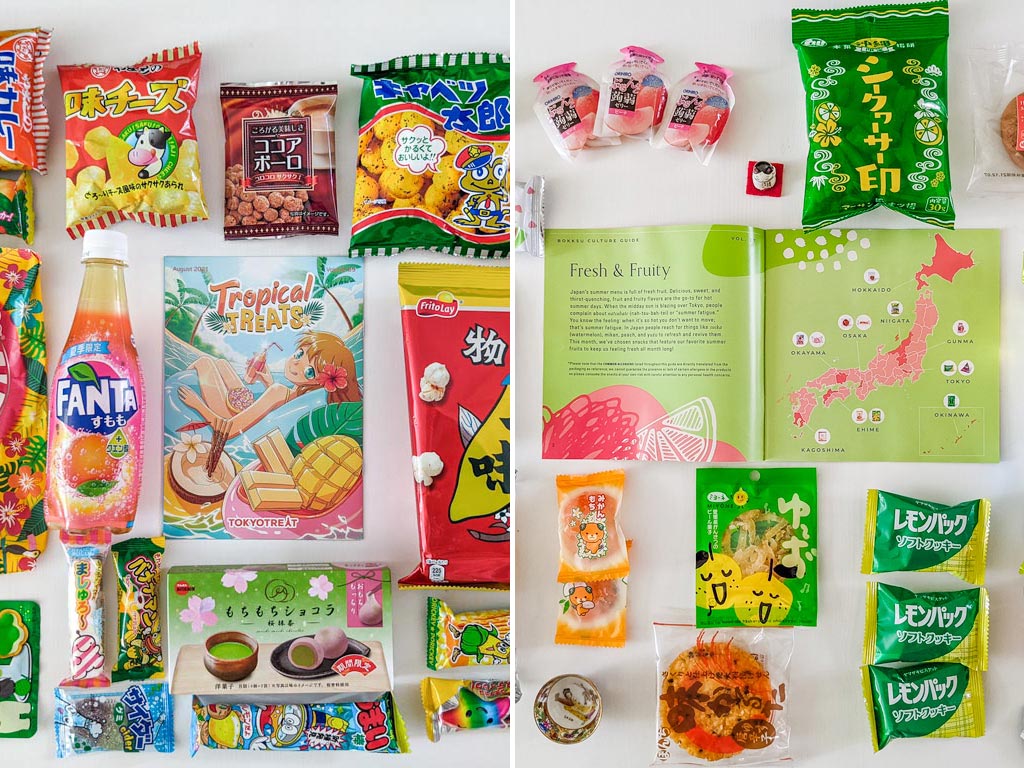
105 244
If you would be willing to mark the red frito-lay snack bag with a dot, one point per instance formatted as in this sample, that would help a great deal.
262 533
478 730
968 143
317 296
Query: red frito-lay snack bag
131 149
455 324
24 126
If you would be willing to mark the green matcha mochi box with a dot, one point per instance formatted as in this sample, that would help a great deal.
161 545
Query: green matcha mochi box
281 634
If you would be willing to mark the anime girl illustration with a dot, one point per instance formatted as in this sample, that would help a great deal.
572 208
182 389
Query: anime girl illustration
320 361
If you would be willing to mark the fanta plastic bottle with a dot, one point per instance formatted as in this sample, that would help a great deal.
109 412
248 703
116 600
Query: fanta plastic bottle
97 405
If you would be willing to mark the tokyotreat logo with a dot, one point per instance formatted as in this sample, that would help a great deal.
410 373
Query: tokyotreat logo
445 305
91 397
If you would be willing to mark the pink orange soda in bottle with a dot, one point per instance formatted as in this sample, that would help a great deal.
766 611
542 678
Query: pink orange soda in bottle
97 406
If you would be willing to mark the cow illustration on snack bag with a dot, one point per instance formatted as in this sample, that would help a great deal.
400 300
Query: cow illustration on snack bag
150 151
483 179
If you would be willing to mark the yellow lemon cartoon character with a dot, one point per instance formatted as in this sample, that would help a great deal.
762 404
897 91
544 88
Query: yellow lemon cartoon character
718 578
763 599
483 174
224 727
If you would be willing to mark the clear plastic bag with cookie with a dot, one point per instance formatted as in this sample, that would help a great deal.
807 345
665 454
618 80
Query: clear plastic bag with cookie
722 694
997 88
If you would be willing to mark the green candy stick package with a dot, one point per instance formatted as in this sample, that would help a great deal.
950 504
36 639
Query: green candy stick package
877 114
906 534
907 626
936 700
19 668
757 547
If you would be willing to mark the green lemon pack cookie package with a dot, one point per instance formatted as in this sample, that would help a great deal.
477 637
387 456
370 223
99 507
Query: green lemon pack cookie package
263 419
682 343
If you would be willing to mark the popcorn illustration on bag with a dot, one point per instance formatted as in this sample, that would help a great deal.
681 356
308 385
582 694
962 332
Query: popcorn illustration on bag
434 382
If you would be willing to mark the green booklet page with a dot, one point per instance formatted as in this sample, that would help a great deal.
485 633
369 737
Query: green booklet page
652 344
734 344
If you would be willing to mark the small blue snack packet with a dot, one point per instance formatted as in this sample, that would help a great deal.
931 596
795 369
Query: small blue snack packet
136 718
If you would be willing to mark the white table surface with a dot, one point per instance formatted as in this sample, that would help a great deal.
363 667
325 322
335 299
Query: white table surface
636 185
255 40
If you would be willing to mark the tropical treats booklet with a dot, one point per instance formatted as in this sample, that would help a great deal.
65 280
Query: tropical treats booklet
263 390
727 343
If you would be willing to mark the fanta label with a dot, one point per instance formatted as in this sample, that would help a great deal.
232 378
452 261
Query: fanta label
92 397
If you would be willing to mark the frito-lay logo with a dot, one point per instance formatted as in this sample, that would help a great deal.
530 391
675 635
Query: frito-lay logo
347 665
444 305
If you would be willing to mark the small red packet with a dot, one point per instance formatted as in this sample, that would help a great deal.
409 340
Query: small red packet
24 125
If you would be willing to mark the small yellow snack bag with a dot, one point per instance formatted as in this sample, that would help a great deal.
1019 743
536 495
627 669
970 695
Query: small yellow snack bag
131 150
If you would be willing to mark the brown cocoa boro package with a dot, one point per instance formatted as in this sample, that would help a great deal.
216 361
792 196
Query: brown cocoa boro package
279 159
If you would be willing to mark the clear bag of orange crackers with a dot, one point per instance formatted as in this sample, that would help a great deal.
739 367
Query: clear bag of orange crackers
131 147
722 693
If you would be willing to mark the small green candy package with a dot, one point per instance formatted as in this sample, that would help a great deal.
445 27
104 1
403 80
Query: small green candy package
936 700
907 626
906 534
757 547
877 115
19 668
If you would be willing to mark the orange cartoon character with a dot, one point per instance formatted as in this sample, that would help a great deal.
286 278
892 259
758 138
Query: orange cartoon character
580 596
483 179
592 540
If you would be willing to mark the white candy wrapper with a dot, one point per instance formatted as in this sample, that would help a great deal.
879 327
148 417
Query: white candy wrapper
529 219
997 87
722 693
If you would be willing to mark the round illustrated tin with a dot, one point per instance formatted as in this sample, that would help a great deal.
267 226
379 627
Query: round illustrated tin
567 709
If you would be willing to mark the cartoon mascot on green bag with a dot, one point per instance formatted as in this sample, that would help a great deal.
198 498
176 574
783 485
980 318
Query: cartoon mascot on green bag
483 178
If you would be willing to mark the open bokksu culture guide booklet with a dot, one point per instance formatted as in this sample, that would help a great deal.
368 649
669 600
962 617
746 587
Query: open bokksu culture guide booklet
728 343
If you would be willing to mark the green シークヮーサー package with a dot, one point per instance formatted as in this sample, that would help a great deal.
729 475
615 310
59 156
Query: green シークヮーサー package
875 79
757 538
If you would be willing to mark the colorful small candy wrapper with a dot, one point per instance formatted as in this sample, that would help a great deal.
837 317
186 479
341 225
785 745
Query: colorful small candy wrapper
17 217
566 106
901 625
593 547
432 169
935 700
140 652
529 219
633 95
722 694
457 705
19 668
700 107
86 553
466 639
877 113
137 718
592 613
757 539
363 726
906 534
24 125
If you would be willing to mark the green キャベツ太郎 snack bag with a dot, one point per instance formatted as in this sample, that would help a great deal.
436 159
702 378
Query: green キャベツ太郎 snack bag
877 113
757 539
432 166
907 626
937 700
906 534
